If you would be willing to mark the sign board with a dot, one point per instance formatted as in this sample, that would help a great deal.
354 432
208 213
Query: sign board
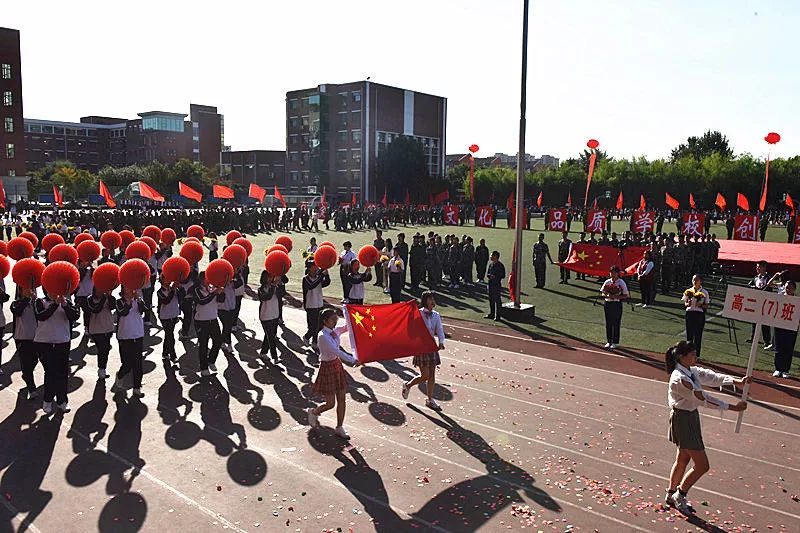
745 228
762 307
557 220
484 216
643 221
450 215
693 224
595 221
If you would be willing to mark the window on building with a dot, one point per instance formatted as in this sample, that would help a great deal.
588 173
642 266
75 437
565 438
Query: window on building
306 138
341 157
356 96
10 152
295 175
356 176
357 136
343 121
5 71
344 99
306 177
8 100
342 137
9 125
49 129
12 172
294 139
305 121
294 122
294 156
293 104
356 156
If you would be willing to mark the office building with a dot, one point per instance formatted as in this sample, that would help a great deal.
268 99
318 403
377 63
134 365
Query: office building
262 167
12 139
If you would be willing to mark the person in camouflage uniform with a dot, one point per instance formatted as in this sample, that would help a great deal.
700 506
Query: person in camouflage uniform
679 259
432 264
454 263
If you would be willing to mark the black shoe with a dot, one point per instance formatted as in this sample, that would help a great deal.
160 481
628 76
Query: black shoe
497 319
489 316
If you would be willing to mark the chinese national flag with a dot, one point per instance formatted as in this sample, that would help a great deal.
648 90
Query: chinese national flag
642 203
223 192
598 260
57 197
539 199
741 201
388 331
670 201
148 192
3 195
279 196
258 193
691 201
790 202
187 192
720 202
105 193
620 200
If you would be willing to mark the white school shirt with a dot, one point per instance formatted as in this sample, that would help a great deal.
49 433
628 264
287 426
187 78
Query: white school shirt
54 330
694 307
171 309
25 324
102 322
356 291
205 311
329 343
619 283
269 309
131 326
434 322
230 298
393 266
679 397
85 286
347 257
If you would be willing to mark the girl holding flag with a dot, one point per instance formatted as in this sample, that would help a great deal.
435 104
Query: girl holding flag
428 362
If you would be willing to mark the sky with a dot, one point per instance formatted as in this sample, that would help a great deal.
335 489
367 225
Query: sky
640 76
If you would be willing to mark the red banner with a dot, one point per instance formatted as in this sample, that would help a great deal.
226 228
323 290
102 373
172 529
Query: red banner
388 331
484 216
595 221
643 221
693 223
597 260
148 192
450 215
279 196
525 218
106 194
557 220
745 228
187 192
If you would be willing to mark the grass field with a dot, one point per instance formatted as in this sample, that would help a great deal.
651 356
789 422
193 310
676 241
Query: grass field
561 310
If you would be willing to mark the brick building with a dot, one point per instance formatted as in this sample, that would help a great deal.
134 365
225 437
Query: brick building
12 139
262 167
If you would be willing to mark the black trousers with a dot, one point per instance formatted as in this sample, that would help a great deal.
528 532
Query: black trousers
613 314
646 286
396 286
345 284
695 323
766 334
667 273
103 343
238 309
228 319
147 297
540 269
55 360
28 358
312 320
466 272
784 349
564 273
495 305
480 269
168 349
130 351
270 342
417 274
187 309
207 329
83 304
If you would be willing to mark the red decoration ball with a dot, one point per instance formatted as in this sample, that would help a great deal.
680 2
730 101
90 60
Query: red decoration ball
368 255
327 243
593 143
325 257
31 237
127 237
50 240
192 251
772 138
219 272
151 243
110 240
5 266
274 247
27 273
3 248
277 263
19 248
473 148
106 277
175 269
88 251
232 236
168 236
196 231
154 232
285 241
236 255
193 239
60 278
138 250
134 273
246 244
80 237
63 252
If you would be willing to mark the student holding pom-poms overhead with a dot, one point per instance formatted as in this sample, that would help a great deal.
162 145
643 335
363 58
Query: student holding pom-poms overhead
101 304
27 274
133 275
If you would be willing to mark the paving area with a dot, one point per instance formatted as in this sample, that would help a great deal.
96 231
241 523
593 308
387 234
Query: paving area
534 435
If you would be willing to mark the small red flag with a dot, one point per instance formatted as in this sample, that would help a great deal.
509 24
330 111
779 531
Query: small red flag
187 192
441 197
279 196
353 200
258 193
105 193
619 200
388 331
539 199
762 202
720 202
569 198
789 202
642 203
384 201
149 192
57 197
691 201
3 195
223 192
741 201
594 204
670 201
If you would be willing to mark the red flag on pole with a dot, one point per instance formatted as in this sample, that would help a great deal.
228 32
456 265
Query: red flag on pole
187 192
3 195
569 198
789 202
259 193
323 201
510 201
720 202
670 201
592 160
741 202
384 201
642 203
106 194
57 197
619 200
148 192
279 196
223 192
594 204
353 199
441 197
762 203
691 201
400 327
472 178
539 199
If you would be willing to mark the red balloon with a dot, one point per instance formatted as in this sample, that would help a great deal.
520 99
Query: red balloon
277 263
327 243
134 273
110 240
127 237
286 241
168 236
106 277
325 257
3 248
60 278
50 240
154 232
219 272
274 247
192 251
593 143
236 255
80 237
246 244
63 252
151 243
88 251
368 255
27 273
196 231
175 269
138 250
772 138
5 266
473 148
31 237
232 236
19 248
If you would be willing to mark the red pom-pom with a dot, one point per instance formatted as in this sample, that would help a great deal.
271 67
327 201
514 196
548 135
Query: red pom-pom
27 273
175 269
50 240
110 240
60 278
246 244
193 239
592 143
368 255
19 248
232 236
63 252
325 257
219 272
127 237
80 237
236 255
277 263
196 231
154 232
151 243
274 247
106 277
168 236
3 248
88 251
138 250
327 243
134 273
192 251
5 266
31 237
286 241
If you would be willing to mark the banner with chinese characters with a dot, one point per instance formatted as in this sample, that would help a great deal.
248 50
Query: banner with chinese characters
745 228
596 221
762 307
693 223
557 220
450 215
643 221
484 216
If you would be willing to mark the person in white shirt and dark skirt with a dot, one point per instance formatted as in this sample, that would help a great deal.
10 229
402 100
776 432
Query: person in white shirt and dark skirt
4 297
396 271
614 292
24 333
331 380
356 281
101 327
313 282
168 312
130 337
696 300
685 395
53 334
206 324
268 314
428 362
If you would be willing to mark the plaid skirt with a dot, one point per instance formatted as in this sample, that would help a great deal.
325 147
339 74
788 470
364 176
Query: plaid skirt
331 378
429 360
684 429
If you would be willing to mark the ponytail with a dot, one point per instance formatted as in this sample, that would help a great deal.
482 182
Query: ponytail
675 352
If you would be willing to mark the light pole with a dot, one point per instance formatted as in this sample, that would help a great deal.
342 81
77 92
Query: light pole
517 267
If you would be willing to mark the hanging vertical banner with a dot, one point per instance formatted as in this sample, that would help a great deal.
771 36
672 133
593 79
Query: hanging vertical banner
745 228
592 144
595 221
525 218
693 223
484 216
557 220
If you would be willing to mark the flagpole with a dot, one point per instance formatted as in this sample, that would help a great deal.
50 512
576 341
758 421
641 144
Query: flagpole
517 267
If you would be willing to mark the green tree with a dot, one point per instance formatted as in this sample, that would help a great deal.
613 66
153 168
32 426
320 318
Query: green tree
711 142
402 165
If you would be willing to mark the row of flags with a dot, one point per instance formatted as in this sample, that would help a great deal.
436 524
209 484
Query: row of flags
219 191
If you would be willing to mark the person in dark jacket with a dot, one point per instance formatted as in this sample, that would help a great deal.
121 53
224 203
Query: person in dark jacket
53 334
402 250
417 261
496 273
313 282
467 258
481 259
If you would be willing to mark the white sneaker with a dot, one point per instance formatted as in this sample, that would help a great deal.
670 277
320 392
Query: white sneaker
679 502
607 345
612 347
101 373
48 407
640 305
341 433
431 404
313 418
785 375
405 391
212 367
776 374
205 373
644 306
768 347
64 407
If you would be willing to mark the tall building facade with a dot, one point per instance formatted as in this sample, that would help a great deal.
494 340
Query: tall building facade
262 167
12 139
335 134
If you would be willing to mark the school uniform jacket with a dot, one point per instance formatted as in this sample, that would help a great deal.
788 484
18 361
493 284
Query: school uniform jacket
25 319
268 308
168 305
206 305
312 290
101 307
357 284
53 320
130 319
